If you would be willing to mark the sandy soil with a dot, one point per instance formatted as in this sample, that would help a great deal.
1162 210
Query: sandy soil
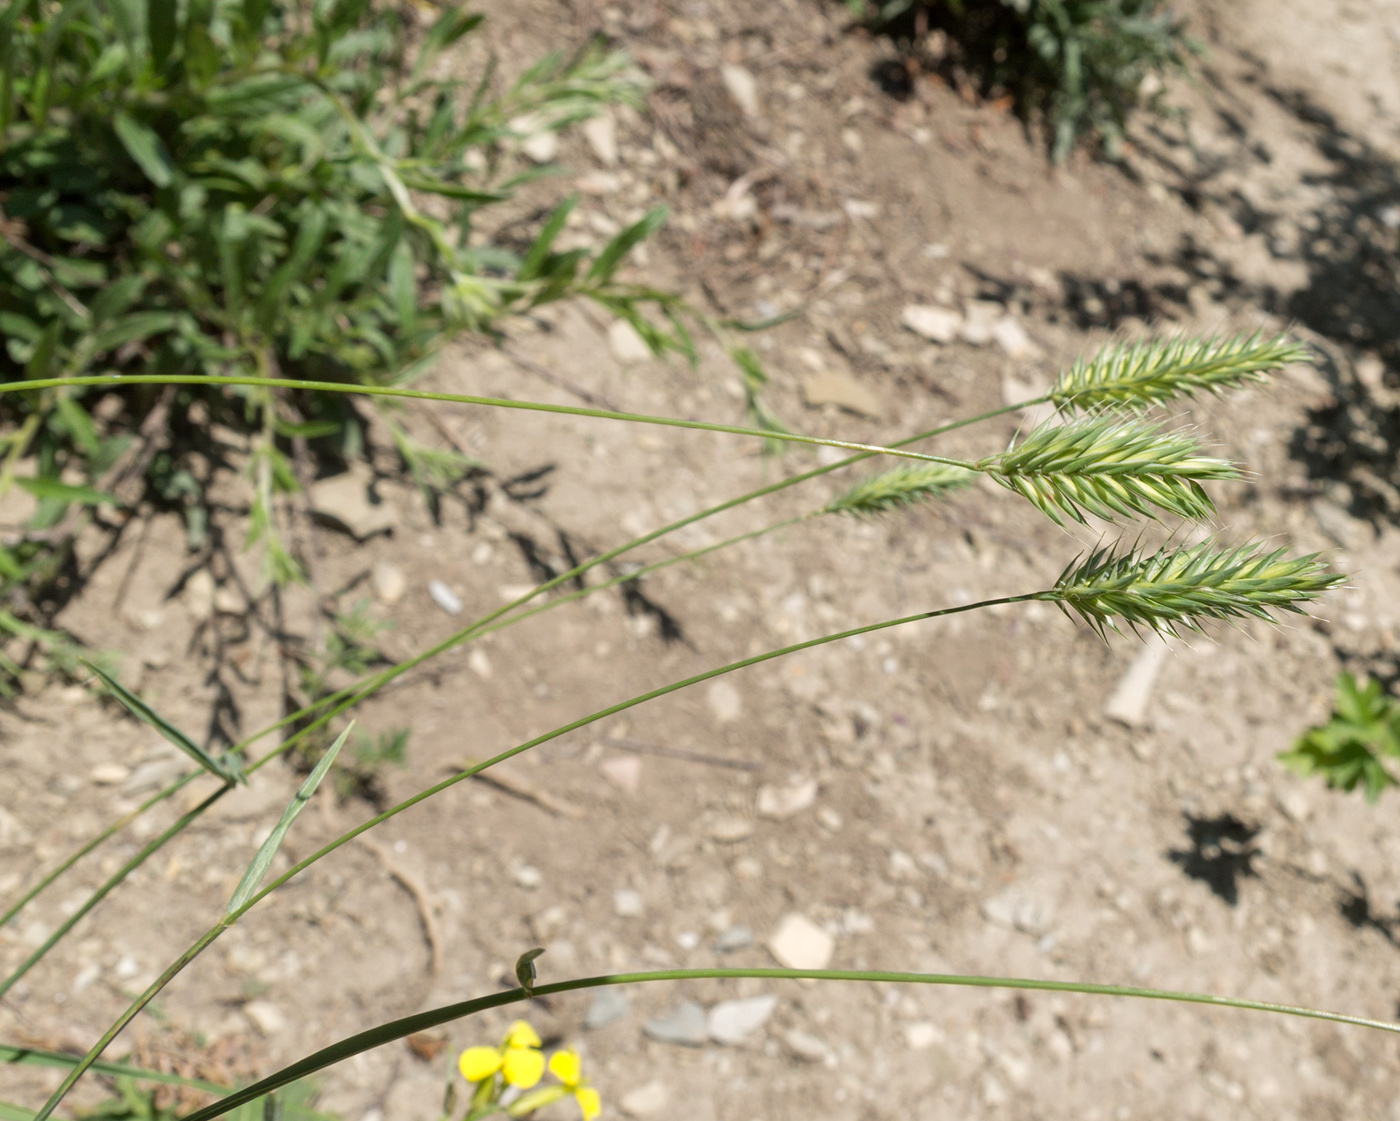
974 810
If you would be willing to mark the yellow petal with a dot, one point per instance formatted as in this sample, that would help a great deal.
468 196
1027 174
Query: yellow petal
523 1066
521 1034
564 1065
589 1103
477 1063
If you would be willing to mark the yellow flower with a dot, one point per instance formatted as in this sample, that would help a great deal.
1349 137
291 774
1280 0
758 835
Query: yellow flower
518 1059
565 1066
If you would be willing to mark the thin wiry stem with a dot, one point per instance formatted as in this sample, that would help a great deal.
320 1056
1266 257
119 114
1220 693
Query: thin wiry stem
347 698
1136 375
385 1033
463 399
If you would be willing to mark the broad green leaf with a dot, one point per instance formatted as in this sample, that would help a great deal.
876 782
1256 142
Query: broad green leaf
10 1112
402 289
40 364
145 147
162 23
309 237
117 297
79 424
54 491
147 715
263 858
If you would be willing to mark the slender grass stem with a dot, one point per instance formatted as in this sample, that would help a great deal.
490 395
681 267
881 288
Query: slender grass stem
353 695
149 850
345 838
375 1037
468 399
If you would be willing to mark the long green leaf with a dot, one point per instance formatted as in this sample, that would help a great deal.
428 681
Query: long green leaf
530 267
39 1057
147 715
52 489
262 860
422 1021
161 25
144 146
612 254
10 1112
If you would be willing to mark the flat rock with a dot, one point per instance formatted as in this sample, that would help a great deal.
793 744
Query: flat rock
344 501
445 597
685 1025
729 829
732 1021
937 324
609 1006
1011 337
109 774
736 937
388 582
829 387
742 87
627 903
601 134
626 345
781 802
623 771
806 1047
979 317
799 943
1018 909
265 1016
1128 702
647 1099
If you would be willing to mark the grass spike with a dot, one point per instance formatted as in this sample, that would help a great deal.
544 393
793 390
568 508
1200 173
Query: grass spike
1138 375
1179 588
1109 468
900 487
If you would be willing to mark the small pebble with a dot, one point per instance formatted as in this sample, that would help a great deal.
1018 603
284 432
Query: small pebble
109 774
627 903
444 597
388 582
725 702
806 1047
265 1016
645 1100
737 937
528 876
609 1006
732 1021
780 802
799 943
685 1025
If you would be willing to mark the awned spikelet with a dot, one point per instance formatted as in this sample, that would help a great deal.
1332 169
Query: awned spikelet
901 487
1109 468
1136 375
1178 589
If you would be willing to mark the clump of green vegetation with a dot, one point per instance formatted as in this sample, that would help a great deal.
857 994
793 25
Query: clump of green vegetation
259 189
1082 65
1351 749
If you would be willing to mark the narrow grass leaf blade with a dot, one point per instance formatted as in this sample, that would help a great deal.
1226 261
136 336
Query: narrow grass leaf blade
10 1112
611 256
263 860
64 492
143 712
34 1056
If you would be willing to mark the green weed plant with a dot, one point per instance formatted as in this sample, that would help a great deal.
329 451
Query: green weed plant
1100 454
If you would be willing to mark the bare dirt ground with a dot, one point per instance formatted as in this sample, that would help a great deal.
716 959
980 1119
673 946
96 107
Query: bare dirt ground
974 811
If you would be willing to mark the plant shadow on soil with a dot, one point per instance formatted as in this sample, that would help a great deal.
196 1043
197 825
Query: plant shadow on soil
1222 853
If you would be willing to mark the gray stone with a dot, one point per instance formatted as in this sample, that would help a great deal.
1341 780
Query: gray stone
1017 909
937 324
806 1047
833 388
780 802
684 1025
645 1100
388 582
627 346
742 87
737 937
1128 703
445 597
732 1021
609 1006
